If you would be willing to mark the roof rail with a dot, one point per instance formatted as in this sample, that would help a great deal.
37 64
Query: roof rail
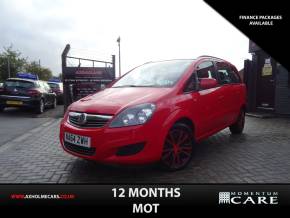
209 56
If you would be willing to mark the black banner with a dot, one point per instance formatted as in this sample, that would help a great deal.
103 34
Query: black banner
147 199
265 23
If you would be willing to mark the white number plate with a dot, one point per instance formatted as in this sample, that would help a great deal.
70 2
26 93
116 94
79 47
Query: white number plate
83 141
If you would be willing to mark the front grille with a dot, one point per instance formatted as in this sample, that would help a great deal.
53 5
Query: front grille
85 120
79 149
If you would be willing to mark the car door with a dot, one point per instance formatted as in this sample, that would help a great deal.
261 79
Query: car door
238 93
229 99
206 104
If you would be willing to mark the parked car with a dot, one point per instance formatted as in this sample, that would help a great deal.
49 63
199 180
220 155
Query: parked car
19 92
156 113
57 88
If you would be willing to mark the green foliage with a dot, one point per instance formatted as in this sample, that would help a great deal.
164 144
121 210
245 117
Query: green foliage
43 73
18 64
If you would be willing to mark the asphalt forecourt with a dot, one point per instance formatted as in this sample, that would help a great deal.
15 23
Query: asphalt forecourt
259 155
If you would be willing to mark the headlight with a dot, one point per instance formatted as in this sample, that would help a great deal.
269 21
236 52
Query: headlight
137 115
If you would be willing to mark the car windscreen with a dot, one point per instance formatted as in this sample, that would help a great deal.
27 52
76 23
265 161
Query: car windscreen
18 84
54 85
158 74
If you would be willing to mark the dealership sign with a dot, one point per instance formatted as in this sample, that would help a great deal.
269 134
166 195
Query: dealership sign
79 81
248 198
86 80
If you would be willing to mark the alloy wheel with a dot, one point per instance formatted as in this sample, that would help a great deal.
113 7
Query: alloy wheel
178 147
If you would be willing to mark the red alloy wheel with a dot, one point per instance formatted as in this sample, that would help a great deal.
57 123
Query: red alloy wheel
178 147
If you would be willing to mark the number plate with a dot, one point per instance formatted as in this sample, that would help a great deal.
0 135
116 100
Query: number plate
79 140
14 102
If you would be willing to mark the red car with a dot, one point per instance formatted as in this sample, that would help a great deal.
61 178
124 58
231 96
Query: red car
157 112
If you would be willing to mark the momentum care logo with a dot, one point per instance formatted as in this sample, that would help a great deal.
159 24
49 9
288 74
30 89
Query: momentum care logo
248 198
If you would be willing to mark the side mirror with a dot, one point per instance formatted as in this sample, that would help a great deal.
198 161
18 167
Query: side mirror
208 83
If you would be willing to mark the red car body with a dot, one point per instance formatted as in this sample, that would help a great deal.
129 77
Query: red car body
206 110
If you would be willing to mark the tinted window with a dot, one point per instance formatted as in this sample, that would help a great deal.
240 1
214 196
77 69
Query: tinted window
19 84
159 74
206 70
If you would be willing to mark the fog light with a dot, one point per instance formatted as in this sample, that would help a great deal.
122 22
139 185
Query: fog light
130 149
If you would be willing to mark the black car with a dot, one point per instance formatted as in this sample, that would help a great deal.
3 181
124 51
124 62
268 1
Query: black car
18 92
57 88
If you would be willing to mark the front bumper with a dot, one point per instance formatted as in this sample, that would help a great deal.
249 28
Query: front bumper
21 101
112 145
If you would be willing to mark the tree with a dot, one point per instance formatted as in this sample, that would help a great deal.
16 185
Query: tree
41 72
11 59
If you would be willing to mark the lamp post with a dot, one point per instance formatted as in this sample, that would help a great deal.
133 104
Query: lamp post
119 42
8 66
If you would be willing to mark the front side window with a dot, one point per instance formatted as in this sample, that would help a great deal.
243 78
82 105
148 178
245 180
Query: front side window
227 75
206 70
191 84
158 74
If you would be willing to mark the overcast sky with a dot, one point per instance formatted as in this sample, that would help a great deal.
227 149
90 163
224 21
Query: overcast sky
149 30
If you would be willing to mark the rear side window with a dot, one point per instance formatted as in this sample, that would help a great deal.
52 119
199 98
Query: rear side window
227 74
234 76
19 84
206 70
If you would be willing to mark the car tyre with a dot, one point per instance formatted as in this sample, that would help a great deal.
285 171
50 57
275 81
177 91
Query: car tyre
238 126
40 108
178 148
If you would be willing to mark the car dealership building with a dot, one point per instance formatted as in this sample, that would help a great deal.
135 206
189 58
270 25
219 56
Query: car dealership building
268 83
